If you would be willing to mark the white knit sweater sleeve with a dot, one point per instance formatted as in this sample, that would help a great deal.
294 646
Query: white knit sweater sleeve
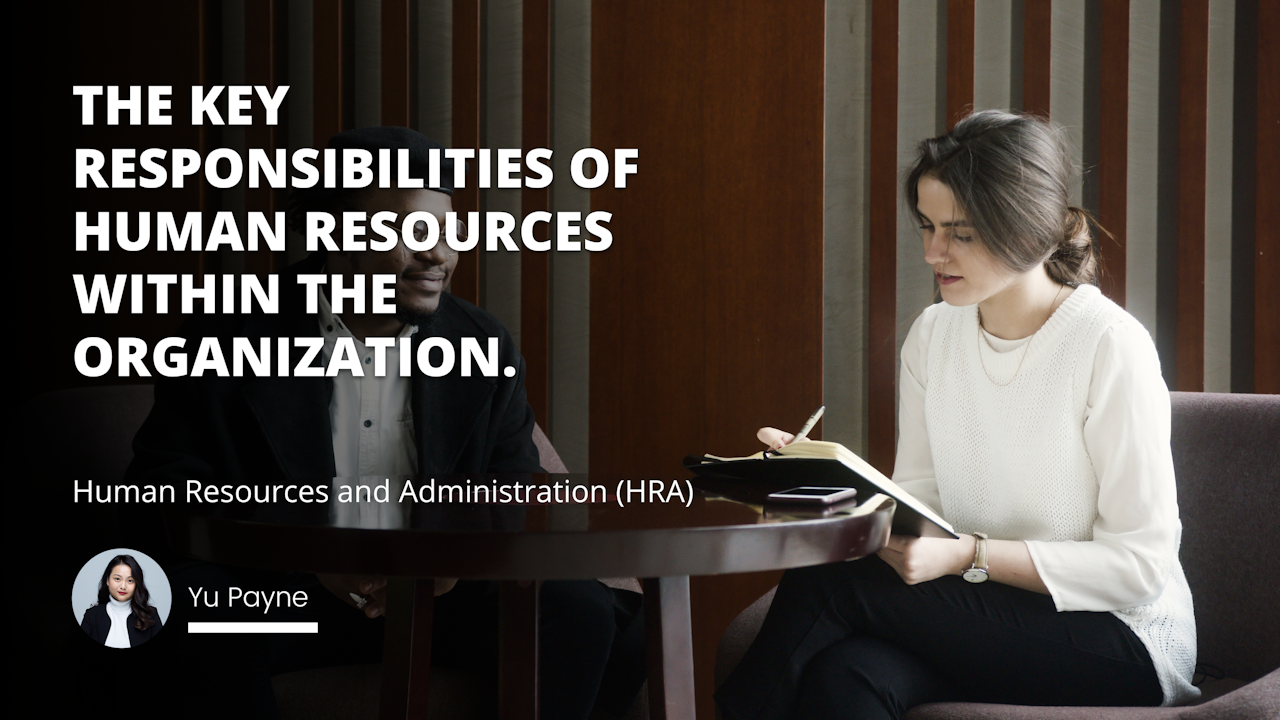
913 465
1137 530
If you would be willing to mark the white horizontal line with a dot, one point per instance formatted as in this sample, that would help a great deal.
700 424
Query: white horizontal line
253 627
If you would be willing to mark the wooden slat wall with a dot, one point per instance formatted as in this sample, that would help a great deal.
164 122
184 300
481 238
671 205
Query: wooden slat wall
334 60
1193 70
959 59
535 267
705 318
706 314
466 132
397 62
210 65
1037 35
264 53
883 251
1266 283
1113 145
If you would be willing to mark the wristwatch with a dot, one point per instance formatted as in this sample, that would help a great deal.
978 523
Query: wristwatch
978 573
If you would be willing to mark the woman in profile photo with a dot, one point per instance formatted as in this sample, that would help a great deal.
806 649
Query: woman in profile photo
123 617
1033 416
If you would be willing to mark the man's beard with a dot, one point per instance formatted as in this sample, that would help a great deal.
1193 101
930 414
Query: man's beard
424 320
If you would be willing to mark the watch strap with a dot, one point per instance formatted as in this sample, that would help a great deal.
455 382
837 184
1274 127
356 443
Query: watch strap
980 551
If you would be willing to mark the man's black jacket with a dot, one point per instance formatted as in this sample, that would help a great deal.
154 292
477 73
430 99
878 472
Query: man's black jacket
258 430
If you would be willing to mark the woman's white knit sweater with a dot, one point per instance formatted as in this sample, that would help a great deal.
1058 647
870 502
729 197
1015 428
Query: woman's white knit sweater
1071 456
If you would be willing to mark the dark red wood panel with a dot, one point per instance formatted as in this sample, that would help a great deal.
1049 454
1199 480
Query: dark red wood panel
1113 145
332 65
535 267
1193 97
706 313
709 303
263 50
210 67
883 223
152 44
466 132
1266 333
1037 35
959 60
397 62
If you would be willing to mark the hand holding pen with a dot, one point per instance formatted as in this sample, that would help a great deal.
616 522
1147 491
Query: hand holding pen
777 439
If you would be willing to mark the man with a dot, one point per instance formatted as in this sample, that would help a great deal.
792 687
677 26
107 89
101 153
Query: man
272 430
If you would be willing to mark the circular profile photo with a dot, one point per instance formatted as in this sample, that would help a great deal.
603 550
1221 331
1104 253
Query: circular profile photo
121 598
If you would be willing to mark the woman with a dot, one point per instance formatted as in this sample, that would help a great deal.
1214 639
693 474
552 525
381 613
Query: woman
123 616
1032 413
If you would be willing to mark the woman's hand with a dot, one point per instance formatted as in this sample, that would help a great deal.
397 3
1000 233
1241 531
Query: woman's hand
918 559
776 439
371 587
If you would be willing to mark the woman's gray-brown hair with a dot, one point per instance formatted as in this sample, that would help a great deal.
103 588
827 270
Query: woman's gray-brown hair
1010 175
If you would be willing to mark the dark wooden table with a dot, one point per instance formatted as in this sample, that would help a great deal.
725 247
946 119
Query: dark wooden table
717 528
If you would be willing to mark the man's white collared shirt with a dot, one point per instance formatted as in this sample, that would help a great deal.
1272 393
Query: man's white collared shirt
371 416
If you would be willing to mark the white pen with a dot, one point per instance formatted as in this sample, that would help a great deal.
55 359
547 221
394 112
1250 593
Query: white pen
808 425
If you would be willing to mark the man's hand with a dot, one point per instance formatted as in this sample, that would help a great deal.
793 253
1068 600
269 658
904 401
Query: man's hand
920 560
371 587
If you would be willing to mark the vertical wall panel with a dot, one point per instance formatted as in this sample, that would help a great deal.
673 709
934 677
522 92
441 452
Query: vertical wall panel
882 262
1113 145
676 300
301 99
570 272
263 52
960 18
1166 259
706 312
919 117
503 26
432 94
234 58
397 62
992 59
1266 333
1193 69
1219 137
332 68
1244 161
178 45
1037 46
535 267
1143 161
1066 80
1017 53
367 32
466 132
844 225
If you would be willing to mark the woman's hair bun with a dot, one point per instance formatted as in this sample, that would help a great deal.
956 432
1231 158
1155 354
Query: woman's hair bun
1074 261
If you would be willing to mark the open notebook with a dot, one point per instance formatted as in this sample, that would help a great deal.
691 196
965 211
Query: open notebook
825 464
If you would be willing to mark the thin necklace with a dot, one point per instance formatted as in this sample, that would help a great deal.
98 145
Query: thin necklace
1025 348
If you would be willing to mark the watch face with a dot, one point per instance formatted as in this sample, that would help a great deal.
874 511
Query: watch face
975 575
